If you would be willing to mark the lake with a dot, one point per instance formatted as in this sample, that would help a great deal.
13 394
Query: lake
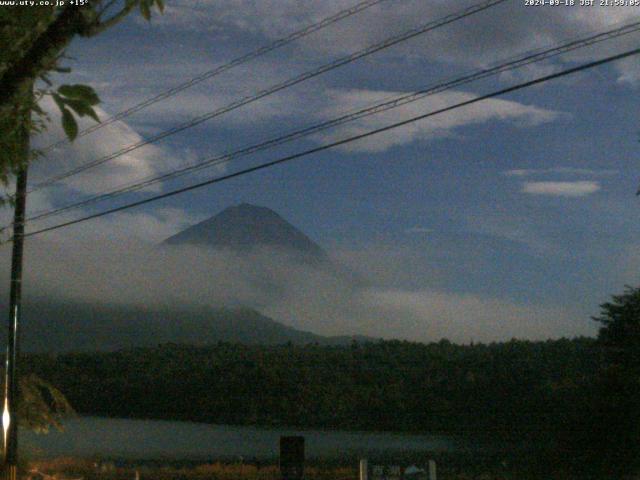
152 439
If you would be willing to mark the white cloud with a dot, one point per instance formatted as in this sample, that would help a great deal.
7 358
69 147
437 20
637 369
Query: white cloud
629 69
465 317
275 18
478 41
561 189
234 27
144 163
216 94
569 171
135 165
310 106
439 126
151 226
325 300
508 29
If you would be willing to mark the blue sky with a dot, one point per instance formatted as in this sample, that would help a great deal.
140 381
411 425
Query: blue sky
516 216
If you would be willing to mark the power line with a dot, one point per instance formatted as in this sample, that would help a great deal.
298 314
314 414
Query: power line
277 87
395 102
281 42
321 148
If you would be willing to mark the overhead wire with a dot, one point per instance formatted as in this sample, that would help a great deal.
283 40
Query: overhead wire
393 40
391 103
281 42
344 141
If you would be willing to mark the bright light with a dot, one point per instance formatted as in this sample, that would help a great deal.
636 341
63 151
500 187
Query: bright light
6 420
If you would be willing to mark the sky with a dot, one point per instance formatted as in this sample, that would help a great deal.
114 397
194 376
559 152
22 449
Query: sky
513 217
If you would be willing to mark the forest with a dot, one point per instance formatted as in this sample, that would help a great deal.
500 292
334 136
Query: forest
387 385
567 402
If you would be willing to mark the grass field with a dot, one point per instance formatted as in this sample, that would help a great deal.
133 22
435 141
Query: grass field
75 469
84 469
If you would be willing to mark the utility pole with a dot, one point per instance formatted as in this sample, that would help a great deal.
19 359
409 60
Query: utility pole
9 416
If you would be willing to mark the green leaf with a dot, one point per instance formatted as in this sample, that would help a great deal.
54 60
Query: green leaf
82 92
92 113
77 106
144 9
81 108
160 5
69 124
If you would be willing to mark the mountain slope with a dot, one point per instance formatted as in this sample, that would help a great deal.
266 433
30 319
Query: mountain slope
246 226
63 327
60 326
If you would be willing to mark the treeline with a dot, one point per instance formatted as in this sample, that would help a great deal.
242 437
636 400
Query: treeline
502 389
572 404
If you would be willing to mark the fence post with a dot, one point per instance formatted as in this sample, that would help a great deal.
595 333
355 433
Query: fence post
292 458
432 470
363 469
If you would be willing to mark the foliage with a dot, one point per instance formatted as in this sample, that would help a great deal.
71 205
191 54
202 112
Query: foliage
600 436
41 405
517 386
79 99
570 404
615 418
515 396
34 39
620 331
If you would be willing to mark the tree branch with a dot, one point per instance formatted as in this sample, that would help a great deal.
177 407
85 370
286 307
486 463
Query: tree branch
47 46
45 49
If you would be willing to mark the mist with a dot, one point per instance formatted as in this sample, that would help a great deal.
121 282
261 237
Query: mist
374 292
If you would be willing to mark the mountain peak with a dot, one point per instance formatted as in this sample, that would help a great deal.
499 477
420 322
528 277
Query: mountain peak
248 206
246 226
248 210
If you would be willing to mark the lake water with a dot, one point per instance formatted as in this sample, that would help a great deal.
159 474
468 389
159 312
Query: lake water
151 439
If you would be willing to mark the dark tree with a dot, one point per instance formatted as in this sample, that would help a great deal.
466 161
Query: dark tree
615 416
619 335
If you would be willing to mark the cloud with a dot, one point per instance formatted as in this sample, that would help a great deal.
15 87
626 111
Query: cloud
440 126
465 317
222 30
236 27
303 106
561 189
271 17
147 226
509 28
141 164
136 165
324 299
629 71
229 88
569 171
